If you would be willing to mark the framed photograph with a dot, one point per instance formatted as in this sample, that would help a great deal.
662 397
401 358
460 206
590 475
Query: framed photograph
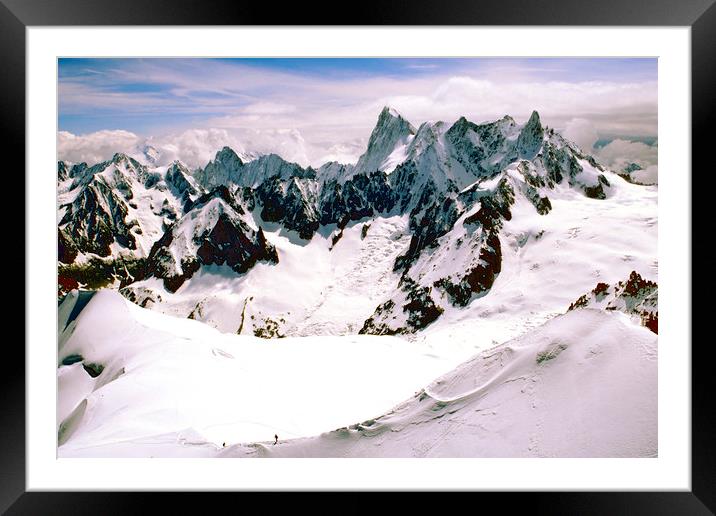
423 252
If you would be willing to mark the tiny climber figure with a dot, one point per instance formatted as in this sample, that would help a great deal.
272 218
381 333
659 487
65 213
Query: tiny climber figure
275 437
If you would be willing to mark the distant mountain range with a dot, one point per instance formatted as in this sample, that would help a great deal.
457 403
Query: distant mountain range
150 229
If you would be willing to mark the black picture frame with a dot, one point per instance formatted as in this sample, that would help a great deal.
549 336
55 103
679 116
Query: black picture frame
700 15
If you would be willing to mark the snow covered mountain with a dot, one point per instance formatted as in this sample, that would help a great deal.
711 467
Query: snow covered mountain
118 206
508 276
213 231
425 207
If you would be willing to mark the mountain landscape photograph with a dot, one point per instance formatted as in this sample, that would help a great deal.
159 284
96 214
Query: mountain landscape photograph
357 257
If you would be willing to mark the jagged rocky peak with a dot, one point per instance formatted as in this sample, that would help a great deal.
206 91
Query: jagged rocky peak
122 158
220 192
391 131
427 135
530 140
460 127
223 169
334 171
390 115
119 171
227 155
178 166
181 183
534 120
179 176
226 159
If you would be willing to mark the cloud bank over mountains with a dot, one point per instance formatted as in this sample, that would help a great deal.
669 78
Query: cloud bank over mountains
618 153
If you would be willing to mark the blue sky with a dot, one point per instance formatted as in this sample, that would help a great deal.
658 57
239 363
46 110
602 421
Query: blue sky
326 107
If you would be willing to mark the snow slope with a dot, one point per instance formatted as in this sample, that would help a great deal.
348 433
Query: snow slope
316 288
584 384
549 261
162 375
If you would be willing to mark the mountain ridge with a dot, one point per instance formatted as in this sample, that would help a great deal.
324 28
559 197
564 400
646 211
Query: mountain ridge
455 186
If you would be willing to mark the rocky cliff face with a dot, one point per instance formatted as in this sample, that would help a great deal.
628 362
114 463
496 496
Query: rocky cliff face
391 132
120 207
96 219
211 233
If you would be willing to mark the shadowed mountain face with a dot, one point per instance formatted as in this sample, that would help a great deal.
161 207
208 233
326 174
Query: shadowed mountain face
455 183
213 233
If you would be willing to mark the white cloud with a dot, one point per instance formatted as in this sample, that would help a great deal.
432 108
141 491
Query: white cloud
581 132
195 147
95 147
312 119
649 176
616 154
619 153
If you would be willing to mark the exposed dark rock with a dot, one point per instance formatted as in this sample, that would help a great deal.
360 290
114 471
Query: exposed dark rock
94 370
336 237
597 191
635 296
600 289
225 168
364 195
292 203
637 286
188 267
66 249
432 217
420 309
270 330
91 228
72 359
142 296
650 320
246 195
390 129
495 208
469 154
63 172
478 279
372 327
220 192
98 273
530 188
177 180
364 231
475 153
581 302
631 167
229 243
